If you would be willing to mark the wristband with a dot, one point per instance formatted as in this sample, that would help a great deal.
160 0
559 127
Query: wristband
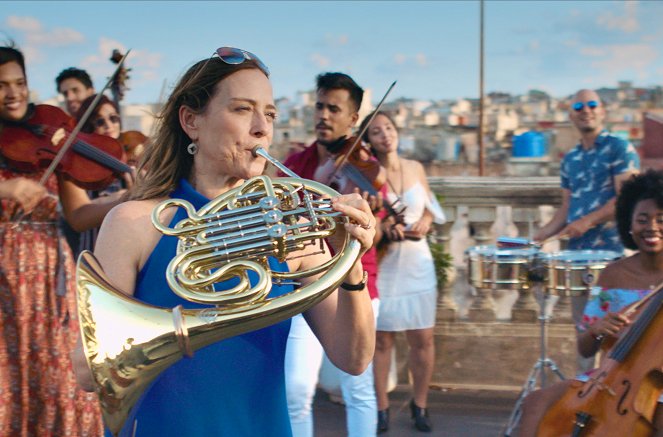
356 287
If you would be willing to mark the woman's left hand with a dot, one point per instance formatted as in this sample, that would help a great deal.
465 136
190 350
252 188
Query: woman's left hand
362 222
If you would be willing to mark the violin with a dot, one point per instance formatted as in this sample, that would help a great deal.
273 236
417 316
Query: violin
133 143
621 396
92 162
350 169
360 170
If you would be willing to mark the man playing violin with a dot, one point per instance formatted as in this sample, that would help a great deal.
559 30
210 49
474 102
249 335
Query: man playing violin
75 85
336 114
38 325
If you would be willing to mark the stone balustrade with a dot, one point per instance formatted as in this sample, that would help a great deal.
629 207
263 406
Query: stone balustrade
490 336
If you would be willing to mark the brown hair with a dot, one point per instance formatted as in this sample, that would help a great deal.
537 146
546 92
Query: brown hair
166 161
364 122
88 127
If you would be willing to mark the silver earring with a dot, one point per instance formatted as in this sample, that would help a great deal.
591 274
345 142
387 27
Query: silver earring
192 148
630 232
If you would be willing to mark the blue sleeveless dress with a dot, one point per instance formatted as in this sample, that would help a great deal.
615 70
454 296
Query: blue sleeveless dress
233 388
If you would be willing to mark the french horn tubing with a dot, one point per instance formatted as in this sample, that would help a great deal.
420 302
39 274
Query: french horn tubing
127 343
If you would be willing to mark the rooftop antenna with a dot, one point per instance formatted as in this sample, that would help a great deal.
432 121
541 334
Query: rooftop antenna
480 132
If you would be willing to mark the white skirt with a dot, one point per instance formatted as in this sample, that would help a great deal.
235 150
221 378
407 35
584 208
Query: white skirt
408 287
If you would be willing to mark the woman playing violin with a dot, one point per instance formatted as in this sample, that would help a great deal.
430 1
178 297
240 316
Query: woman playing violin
639 213
104 120
406 279
38 326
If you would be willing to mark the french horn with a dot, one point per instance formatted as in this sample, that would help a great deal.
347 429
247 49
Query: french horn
127 343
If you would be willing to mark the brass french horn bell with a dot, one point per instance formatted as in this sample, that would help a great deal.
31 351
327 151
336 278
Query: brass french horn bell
128 343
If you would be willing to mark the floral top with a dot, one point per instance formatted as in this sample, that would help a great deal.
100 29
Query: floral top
602 301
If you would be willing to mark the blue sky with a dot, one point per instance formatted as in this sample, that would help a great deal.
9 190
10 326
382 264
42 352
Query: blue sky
430 47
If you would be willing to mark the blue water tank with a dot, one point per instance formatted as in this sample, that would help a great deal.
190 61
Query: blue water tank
528 145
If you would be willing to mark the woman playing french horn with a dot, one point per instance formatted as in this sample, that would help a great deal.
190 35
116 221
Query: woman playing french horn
221 109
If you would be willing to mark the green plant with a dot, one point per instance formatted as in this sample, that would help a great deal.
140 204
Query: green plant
442 261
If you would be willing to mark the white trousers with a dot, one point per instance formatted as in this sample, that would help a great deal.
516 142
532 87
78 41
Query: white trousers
303 359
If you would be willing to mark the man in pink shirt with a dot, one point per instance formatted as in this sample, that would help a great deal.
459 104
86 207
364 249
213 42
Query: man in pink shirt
336 114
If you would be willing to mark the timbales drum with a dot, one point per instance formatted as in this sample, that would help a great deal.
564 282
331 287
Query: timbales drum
574 272
506 269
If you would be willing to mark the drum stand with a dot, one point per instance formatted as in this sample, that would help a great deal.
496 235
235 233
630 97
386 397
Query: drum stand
543 363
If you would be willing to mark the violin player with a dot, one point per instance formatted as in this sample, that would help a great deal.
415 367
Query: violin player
38 325
75 85
104 120
338 99
622 284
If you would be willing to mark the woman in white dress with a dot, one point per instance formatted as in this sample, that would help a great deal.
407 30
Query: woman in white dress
406 278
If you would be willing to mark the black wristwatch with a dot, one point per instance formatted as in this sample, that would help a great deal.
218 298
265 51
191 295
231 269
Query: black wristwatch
356 287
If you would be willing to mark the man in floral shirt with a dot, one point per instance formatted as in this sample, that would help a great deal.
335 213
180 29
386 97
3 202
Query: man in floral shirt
591 175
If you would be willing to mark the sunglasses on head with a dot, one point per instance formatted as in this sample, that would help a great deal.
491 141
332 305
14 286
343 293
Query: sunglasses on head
579 106
101 121
234 56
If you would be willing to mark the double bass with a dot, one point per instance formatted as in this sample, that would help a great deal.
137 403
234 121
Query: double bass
621 396
133 142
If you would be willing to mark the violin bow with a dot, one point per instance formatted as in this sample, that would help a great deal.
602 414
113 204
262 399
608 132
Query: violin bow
74 133
361 133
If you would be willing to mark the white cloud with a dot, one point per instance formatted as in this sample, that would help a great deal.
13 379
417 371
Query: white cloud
37 35
571 43
24 24
143 64
617 58
594 51
629 55
319 60
419 59
336 40
626 22
32 55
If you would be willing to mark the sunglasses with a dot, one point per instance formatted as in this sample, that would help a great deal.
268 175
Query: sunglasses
101 121
234 56
579 106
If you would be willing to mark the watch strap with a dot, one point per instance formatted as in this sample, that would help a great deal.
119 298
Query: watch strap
356 287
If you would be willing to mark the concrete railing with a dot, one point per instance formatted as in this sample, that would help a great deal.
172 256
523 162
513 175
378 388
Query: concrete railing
488 337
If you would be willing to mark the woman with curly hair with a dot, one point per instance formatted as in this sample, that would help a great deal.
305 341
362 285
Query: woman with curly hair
639 213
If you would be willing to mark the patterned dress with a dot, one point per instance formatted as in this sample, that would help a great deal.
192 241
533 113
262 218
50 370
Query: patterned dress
602 301
38 325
